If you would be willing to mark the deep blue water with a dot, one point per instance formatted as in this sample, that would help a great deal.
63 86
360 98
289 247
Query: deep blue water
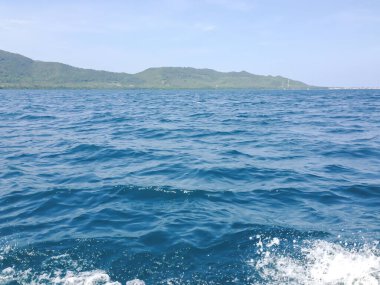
189 187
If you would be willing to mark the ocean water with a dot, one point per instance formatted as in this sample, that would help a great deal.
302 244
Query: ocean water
189 187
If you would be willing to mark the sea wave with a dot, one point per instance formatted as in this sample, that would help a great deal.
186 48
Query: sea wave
269 259
189 187
319 262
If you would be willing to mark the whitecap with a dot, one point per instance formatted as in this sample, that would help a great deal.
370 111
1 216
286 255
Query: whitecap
322 262
95 277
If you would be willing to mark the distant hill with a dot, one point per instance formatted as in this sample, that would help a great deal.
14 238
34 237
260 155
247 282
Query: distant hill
17 71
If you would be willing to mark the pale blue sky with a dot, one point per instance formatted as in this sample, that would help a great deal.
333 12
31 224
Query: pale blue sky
321 42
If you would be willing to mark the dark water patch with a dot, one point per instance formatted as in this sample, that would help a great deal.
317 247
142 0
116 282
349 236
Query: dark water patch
37 117
353 152
361 191
336 169
235 153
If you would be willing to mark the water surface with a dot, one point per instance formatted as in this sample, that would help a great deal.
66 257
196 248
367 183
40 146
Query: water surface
189 187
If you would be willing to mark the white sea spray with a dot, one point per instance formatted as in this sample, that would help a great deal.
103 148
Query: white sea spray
323 262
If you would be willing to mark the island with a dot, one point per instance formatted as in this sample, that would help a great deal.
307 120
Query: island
20 72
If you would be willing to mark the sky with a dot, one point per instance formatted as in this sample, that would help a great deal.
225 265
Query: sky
324 42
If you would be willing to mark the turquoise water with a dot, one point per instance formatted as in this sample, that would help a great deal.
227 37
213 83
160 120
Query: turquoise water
189 187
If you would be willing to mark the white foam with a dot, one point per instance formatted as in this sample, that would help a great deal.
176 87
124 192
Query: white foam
6 275
4 250
135 282
95 277
322 262
67 272
274 241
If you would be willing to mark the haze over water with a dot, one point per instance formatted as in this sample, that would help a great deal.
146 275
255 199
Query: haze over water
189 187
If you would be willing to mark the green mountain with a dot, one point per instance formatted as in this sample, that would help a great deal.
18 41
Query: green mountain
17 71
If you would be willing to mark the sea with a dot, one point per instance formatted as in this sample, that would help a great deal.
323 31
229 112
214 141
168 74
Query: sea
189 187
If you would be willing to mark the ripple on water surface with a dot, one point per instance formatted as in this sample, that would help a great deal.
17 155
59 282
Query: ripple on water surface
189 187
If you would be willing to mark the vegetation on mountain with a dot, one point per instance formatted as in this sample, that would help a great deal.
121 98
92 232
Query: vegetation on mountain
17 71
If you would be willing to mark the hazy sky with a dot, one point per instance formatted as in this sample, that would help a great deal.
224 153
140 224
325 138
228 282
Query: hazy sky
321 42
